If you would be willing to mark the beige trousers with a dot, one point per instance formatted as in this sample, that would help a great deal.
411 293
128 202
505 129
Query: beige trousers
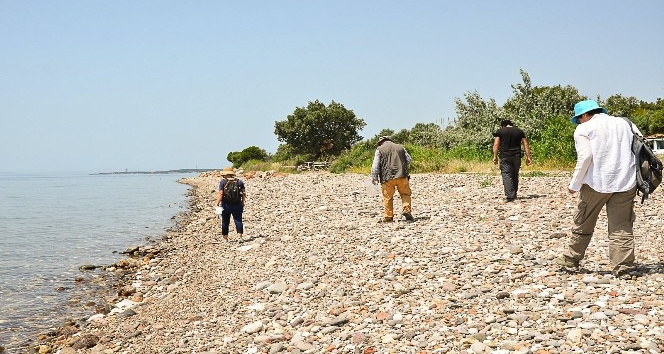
402 185
620 215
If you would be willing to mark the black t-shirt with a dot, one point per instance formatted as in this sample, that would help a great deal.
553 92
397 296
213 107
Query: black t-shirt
510 140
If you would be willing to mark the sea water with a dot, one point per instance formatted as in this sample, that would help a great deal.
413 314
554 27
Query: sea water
51 225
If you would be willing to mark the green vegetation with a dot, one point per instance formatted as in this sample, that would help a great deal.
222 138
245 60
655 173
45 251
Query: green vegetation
257 165
319 131
330 133
649 117
486 182
246 155
534 174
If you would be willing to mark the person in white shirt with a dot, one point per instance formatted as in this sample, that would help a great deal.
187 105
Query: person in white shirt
605 175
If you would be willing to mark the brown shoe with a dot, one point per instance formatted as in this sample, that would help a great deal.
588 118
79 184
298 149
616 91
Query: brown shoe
386 219
408 216
567 262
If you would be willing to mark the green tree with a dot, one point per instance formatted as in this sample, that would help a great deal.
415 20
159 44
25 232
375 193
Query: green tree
657 122
649 117
476 120
286 155
400 137
425 134
620 106
530 107
556 141
657 119
283 153
319 130
385 132
250 153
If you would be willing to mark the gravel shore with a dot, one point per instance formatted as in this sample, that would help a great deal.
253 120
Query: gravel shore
316 273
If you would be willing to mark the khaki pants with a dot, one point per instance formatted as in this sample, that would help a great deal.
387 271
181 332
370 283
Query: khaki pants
620 215
402 185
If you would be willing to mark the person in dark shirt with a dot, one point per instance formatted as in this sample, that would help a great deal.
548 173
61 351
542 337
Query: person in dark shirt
508 140
230 208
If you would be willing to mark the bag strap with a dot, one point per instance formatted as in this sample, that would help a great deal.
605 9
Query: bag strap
636 136
631 126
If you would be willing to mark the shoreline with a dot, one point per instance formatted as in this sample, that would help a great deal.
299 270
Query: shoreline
46 248
104 287
316 273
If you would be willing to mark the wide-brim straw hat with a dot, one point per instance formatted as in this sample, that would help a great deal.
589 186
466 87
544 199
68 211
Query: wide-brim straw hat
228 171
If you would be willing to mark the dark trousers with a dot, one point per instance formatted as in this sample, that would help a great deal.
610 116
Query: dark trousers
509 170
234 210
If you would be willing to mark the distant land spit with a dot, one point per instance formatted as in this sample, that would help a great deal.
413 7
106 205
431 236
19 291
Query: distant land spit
184 170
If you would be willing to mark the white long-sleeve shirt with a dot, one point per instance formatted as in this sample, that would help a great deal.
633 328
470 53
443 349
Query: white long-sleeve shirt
605 161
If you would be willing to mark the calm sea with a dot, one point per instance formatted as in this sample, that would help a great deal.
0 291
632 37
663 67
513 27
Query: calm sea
51 225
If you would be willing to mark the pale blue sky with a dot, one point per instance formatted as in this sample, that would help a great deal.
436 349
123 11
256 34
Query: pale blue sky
96 86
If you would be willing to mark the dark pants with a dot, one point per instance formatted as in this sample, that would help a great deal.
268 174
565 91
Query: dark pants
236 211
509 169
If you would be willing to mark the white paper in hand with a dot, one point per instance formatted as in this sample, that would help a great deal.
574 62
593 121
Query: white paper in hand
372 189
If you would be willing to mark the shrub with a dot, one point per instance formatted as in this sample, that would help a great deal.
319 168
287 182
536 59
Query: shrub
250 153
534 174
257 165
358 158
556 142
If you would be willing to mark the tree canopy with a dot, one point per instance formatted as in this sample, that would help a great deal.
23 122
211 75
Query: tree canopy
543 112
319 130
238 158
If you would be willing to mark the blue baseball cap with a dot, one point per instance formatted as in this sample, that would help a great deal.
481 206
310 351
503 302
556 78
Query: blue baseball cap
584 107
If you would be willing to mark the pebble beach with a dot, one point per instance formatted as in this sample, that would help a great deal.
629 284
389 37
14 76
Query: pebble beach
316 273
